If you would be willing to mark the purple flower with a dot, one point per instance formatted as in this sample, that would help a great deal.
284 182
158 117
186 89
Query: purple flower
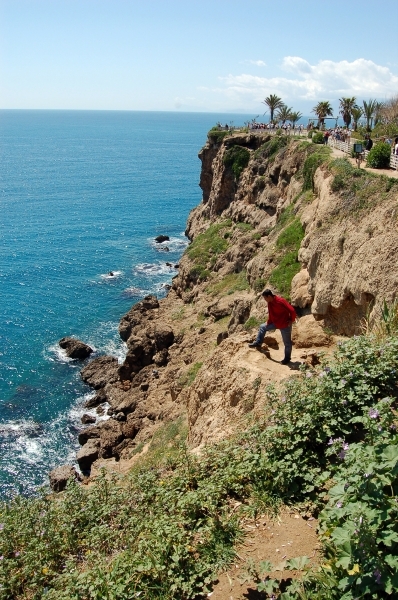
393 427
377 576
1 557
17 554
331 442
309 374
327 369
1 526
342 454
322 374
345 446
344 402
339 504
373 413
343 382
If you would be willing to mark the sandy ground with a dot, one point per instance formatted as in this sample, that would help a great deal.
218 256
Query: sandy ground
289 536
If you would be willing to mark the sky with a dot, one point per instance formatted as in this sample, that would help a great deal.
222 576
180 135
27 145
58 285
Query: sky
195 55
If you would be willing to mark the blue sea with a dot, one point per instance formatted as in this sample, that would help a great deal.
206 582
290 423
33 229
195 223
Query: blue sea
82 193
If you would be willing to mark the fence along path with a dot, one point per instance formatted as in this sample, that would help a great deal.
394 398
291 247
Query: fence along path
348 146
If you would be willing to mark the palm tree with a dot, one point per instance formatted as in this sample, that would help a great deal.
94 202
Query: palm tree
322 110
378 112
284 114
273 102
294 117
369 110
356 113
346 106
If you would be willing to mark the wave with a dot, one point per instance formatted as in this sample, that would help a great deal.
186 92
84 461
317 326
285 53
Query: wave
111 275
174 244
151 269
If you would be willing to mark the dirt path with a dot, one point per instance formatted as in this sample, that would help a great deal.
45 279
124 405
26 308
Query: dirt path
389 172
289 536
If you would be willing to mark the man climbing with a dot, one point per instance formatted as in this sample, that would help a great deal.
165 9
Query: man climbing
281 315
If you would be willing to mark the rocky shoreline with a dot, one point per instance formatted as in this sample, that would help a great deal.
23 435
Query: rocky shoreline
187 353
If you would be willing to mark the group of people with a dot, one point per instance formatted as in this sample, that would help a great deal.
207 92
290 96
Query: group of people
286 127
339 134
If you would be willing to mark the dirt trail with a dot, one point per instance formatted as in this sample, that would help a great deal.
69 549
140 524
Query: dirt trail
389 172
277 540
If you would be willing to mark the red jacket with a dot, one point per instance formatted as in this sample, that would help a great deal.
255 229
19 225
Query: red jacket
280 313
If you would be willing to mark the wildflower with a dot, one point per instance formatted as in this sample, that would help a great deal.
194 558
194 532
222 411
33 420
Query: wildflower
331 442
327 369
343 381
345 446
339 504
342 454
377 576
344 402
373 413
309 374
322 374
1 526
1 557
17 554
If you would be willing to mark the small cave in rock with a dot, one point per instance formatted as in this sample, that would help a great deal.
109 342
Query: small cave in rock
347 318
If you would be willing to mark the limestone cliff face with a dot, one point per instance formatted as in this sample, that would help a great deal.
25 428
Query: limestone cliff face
188 353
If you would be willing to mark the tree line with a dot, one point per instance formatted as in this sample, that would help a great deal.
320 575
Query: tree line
373 111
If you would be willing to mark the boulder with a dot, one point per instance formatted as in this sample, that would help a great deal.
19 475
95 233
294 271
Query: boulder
88 434
300 295
88 454
60 476
240 314
100 371
161 238
74 348
308 333
136 315
96 400
88 419
111 434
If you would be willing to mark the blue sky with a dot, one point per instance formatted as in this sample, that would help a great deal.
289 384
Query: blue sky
194 55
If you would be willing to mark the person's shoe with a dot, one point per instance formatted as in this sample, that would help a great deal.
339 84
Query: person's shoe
285 361
254 345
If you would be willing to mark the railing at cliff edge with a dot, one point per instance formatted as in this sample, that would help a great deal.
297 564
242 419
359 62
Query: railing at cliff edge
347 147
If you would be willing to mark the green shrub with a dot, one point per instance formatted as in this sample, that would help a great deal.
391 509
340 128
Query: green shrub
237 158
216 136
281 277
379 156
317 138
270 149
311 133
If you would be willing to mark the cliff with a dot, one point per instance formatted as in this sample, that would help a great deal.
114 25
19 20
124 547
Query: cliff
276 213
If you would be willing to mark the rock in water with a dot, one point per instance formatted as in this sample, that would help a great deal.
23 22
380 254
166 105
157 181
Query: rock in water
75 348
161 238
60 476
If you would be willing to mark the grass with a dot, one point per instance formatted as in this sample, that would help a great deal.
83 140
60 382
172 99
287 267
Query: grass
237 158
251 323
281 277
188 378
358 189
179 314
270 149
234 282
205 249
291 236
244 226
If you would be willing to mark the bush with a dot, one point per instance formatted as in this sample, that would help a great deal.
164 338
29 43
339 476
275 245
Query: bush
272 147
216 136
237 158
206 247
379 156
311 133
317 138
281 277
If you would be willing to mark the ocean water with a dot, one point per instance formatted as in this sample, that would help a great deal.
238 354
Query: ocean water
82 193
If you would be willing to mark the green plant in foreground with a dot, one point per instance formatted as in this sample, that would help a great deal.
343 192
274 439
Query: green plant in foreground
317 138
379 156
189 377
251 323
165 530
237 158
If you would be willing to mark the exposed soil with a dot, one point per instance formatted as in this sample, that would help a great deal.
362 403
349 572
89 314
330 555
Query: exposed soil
288 536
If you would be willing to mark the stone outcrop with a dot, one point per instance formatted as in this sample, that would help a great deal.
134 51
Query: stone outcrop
74 348
60 476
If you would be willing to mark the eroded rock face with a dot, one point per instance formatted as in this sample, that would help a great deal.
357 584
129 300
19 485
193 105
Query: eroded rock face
308 333
60 476
74 348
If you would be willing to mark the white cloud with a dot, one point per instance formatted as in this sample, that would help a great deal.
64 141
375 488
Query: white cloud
326 80
257 63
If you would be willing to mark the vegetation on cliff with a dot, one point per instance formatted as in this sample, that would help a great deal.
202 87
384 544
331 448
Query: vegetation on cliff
328 438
